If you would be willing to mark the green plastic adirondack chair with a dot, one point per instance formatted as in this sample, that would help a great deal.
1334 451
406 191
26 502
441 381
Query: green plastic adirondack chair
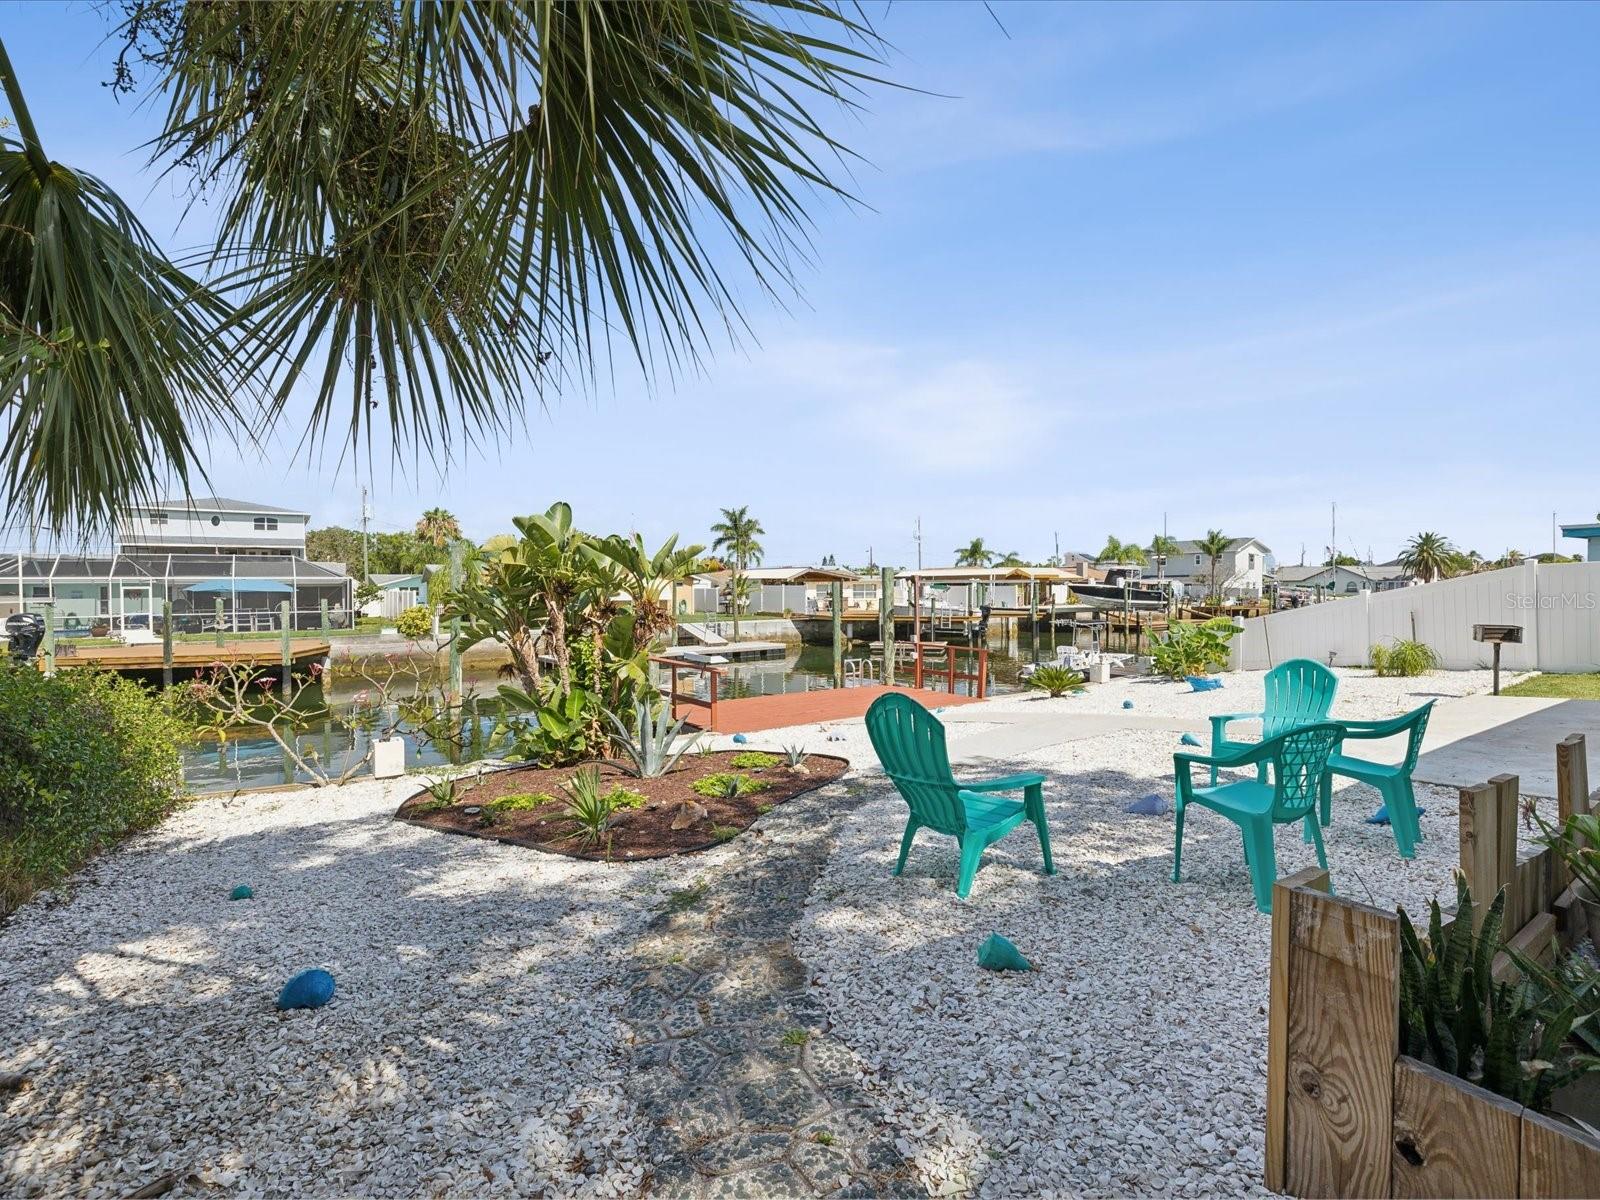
1299 692
910 744
1299 760
1392 782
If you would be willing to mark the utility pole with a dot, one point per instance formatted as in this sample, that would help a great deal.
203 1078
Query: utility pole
1333 531
1058 547
366 554
919 543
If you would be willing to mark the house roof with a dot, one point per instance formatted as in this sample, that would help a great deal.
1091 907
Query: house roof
967 574
1190 546
800 575
222 504
1375 572
387 580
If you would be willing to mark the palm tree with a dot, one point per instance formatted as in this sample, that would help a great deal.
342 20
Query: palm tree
975 554
424 247
1118 551
1162 548
1214 545
1511 558
1428 556
553 553
1011 559
738 533
438 527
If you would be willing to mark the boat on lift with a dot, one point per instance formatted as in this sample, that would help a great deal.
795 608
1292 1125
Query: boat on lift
1125 588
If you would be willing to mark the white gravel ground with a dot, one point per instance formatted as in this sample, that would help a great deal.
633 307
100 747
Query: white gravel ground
470 1047
1133 1061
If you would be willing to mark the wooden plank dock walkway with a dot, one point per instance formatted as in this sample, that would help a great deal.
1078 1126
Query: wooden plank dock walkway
191 656
757 713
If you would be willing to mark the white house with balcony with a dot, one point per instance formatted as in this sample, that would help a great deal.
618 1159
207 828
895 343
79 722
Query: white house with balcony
212 525
1242 569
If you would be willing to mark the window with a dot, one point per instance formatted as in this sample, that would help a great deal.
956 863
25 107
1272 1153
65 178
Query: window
1351 586
1252 562
1197 560
267 523
156 518
216 520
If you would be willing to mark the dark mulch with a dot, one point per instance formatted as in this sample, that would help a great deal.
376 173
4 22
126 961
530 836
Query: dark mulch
634 834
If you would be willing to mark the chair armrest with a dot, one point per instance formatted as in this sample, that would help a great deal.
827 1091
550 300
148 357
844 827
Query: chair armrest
1235 758
1010 783
1377 729
1219 720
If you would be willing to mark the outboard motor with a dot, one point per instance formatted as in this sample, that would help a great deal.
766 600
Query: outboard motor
24 634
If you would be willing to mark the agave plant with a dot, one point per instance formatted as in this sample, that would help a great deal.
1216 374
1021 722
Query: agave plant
647 747
795 756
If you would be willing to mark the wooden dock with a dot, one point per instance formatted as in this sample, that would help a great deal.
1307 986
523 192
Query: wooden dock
192 656
757 713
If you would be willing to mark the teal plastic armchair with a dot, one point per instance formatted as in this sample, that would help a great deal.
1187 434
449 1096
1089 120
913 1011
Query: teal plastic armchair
1393 782
910 744
1299 692
1297 760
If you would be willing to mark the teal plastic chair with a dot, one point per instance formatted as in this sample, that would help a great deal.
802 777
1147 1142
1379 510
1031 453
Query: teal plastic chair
910 744
1298 761
1393 782
1299 692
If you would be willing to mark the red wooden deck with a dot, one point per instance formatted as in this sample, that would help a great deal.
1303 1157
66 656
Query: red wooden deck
755 713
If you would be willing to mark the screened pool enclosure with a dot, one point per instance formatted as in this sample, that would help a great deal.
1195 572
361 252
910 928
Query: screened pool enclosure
92 596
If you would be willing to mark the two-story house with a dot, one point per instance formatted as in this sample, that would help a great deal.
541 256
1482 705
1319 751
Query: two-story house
1241 570
212 525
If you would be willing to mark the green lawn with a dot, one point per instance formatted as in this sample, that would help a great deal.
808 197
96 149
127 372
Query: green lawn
1563 687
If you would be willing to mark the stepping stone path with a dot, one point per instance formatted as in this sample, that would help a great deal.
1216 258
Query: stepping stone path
744 1091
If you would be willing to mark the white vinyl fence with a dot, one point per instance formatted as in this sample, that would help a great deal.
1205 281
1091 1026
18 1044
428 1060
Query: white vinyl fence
1557 605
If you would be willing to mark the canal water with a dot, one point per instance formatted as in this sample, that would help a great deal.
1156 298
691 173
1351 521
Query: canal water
248 759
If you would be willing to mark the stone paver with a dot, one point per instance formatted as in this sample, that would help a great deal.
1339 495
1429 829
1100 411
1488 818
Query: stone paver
733 1067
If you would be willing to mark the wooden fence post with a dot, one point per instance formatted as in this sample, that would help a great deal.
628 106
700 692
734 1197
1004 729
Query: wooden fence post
886 624
1480 846
1342 1004
1278 1018
1572 791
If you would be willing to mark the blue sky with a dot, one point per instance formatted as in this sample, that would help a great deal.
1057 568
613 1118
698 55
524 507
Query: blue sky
1223 263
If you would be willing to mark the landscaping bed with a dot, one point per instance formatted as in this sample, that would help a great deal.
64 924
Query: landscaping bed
529 806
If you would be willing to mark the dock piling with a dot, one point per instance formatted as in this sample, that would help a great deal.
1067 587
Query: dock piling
288 655
166 643
886 624
836 596
323 606
49 639
457 554
219 621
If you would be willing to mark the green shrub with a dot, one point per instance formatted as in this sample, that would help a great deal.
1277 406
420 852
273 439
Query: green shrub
724 833
86 758
1192 648
726 785
519 802
1404 659
1058 681
626 798
754 760
415 623
587 806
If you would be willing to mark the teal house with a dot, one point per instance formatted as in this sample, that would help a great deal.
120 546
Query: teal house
1589 531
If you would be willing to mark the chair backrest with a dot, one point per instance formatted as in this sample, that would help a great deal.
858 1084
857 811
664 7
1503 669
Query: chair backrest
1418 720
910 744
1299 758
1299 692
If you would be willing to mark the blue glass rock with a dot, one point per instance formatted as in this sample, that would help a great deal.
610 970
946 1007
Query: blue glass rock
1189 739
243 892
1153 805
739 739
1381 817
1201 683
309 989
1127 704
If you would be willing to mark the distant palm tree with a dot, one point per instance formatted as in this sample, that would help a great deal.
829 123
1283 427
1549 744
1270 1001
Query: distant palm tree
975 554
1214 545
1162 548
1511 558
1012 559
738 533
438 527
1118 551
1429 556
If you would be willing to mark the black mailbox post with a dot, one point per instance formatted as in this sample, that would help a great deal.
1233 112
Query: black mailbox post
1497 636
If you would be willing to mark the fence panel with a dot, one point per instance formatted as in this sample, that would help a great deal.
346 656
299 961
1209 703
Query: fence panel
1337 627
1443 613
1568 607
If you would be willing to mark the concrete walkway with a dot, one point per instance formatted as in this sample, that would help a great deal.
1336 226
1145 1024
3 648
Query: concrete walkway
1473 738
